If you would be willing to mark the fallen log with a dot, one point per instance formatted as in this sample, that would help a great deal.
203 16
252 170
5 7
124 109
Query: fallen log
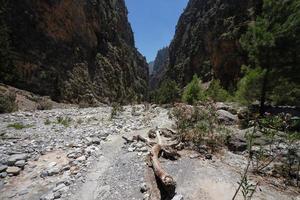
167 181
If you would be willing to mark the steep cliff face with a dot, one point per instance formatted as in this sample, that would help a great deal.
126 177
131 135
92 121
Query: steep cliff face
77 51
207 40
159 67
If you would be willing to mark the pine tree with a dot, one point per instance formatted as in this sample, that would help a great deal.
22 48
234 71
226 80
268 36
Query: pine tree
272 42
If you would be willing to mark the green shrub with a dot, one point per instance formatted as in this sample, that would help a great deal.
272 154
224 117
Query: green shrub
216 92
44 104
7 102
18 126
249 87
193 91
115 110
168 92
286 93
65 121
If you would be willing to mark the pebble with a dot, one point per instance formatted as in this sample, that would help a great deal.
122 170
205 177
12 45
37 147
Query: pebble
144 149
193 156
208 156
49 196
20 163
178 197
13 170
14 158
144 187
81 158
3 174
3 168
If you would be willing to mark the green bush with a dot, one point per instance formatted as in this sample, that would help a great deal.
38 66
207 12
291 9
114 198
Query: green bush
286 93
216 92
19 126
44 104
168 92
7 102
249 87
193 91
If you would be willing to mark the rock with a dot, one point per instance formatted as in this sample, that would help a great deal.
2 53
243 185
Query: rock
208 156
59 187
144 188
13 170
112 70
81 158
226 117
14 158
193 156
23 192
3 168
139 145
223 106
20 163
44 173
3 174
131 149
53 169
178 197
144 149
57 194
152 134
237 144
49 196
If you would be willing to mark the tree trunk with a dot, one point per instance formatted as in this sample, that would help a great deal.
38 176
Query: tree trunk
264 92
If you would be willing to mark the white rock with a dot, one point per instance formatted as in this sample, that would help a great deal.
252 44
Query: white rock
178 197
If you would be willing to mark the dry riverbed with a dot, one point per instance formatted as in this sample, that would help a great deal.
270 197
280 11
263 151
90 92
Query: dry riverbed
79 154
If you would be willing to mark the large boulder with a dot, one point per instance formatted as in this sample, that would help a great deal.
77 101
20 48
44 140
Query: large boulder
226 117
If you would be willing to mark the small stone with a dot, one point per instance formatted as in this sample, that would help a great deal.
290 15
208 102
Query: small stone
16 157
3 174
53 170
144 187
139 145
23 192
3 168
49 196
59 187
81 158
193 156
13 170
57 194
208 156
44 173
178 197
20 163
131 149
144 149
146 197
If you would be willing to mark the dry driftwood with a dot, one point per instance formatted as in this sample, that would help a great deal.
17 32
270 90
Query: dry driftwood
150 178
157 177
167 181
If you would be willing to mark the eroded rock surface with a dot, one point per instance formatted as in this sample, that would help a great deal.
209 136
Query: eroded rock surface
78 51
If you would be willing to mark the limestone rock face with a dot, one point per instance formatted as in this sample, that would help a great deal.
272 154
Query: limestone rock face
207 40
75 51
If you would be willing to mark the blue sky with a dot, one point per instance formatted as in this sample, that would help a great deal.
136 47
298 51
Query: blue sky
153 23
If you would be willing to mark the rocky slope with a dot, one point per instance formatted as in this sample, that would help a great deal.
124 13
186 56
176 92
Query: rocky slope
160 64
207 40
78 51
